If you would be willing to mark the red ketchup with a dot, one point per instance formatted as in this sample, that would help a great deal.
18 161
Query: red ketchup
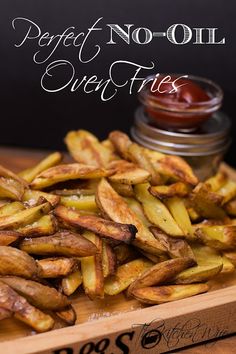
179 104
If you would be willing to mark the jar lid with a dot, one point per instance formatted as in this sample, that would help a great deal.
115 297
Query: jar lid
211 138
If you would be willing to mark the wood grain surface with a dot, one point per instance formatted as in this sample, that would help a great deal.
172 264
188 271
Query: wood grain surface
18 159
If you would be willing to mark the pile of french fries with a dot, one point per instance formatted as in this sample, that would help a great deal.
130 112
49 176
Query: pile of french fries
121 218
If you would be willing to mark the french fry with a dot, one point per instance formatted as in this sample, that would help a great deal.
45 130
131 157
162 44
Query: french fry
24 217
125 190
82 202
71 282
209 264
92 270
162 294
124 253
176 247
207 203
84 146
31 197
128 173
227 191
56 267
121 142
178 189
10 188
39 295
4 172
106 228
228 266
48 162
136 207
61 173
11 208
231 256
179 212
46 225
156 211
219 237
125 275
160 273
23 311
137 154
152 257
68 315
16 262
108 259
217 181
118 210
7 237
63 243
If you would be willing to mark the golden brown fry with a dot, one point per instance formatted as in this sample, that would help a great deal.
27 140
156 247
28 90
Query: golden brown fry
31 197
227 191
128 173
10 188
24 217
4 172
46 225
85 148
56 267
228 266
61 173
49 161
207 203
39 295
125 190
176 247
106 228
16 262
125 253
118 210
121 142
161 273
231 255
92 270
70 283
156 211
23 311
217 181
63 243
219 237
178 189
11 208
162 294
108 259
209 264
7 237
136 207
68 315
125 275
138 155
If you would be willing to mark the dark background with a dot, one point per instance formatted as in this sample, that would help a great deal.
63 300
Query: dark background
31 117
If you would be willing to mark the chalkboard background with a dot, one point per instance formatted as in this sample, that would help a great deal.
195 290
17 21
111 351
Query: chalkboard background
31 117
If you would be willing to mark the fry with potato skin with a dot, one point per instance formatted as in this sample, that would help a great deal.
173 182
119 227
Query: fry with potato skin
10 188
106 228
11 208
49 161
160 273
61 173
46 225
56 267
178 189
7 237
219 237
118 210
92 270
70 283
24 217
125 275
39 295
31 197
217 181
121 142
16 262
23 311
108 259
162 294
125 190
128 173
68 315
63 243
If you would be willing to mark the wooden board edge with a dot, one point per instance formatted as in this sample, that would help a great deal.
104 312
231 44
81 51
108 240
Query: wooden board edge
193 320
